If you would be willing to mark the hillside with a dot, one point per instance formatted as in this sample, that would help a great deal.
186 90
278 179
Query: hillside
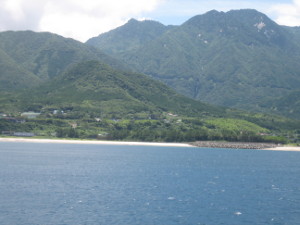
238 59
76 90
13 76
91 99
133 34
286 105
92 86
29 58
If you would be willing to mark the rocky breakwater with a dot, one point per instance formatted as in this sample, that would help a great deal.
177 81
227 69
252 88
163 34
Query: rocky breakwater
234 145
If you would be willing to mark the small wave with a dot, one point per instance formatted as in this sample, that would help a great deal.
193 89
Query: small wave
171 198
274 187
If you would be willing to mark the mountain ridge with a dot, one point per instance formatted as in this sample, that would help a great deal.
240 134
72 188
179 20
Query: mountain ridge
42 56
237 59
92 86
134 34
82 92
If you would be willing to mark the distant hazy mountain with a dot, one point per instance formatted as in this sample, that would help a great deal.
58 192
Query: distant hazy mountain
239 59
28 58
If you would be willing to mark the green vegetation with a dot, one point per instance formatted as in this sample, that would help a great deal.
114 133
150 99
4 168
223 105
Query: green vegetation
163 129
28 59
94 87
133 35
239 59
288 105
79 92
93 100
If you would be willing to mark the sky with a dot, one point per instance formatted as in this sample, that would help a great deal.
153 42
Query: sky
83 19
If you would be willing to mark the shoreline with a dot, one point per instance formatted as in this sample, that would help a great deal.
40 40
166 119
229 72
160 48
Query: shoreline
94 142
246 145
284 148
159 144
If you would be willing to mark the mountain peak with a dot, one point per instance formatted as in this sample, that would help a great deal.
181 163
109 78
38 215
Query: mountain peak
247 12
135 22
213 12
243 24
215 17
129 36
242 50
249 15
132 20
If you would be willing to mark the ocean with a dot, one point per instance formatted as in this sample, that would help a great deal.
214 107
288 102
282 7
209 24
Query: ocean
145 185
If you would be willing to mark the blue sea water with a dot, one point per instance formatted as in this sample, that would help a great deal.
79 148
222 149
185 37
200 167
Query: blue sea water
143 185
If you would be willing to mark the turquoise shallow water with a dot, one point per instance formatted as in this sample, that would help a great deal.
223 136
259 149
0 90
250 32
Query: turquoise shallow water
136 185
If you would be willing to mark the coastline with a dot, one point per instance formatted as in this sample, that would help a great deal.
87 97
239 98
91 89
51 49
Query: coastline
99 142
246 145
94 142
284 148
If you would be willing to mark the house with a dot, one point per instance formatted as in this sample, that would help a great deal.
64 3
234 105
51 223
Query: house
30 115
3 115
23 134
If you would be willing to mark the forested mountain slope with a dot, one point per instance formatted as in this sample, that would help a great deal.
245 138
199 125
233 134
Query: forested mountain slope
238 59
132 35
93 98
92 86
29 58
79 91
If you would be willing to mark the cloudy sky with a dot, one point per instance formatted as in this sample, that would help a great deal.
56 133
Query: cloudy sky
83 19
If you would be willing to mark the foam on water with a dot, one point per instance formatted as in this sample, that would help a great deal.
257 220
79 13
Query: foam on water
171 198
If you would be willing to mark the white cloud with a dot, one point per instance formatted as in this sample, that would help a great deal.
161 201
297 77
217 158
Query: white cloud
79 19
15 9
20 14
82 19
287 14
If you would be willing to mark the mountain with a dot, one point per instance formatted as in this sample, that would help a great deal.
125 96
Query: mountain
81 92
133 35
28 58
13 76
286 105
92 86
239 59
133 106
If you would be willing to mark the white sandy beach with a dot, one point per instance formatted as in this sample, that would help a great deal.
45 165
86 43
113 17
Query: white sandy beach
285 148
94 142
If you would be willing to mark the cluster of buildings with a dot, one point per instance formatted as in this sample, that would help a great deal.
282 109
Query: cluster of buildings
22 119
